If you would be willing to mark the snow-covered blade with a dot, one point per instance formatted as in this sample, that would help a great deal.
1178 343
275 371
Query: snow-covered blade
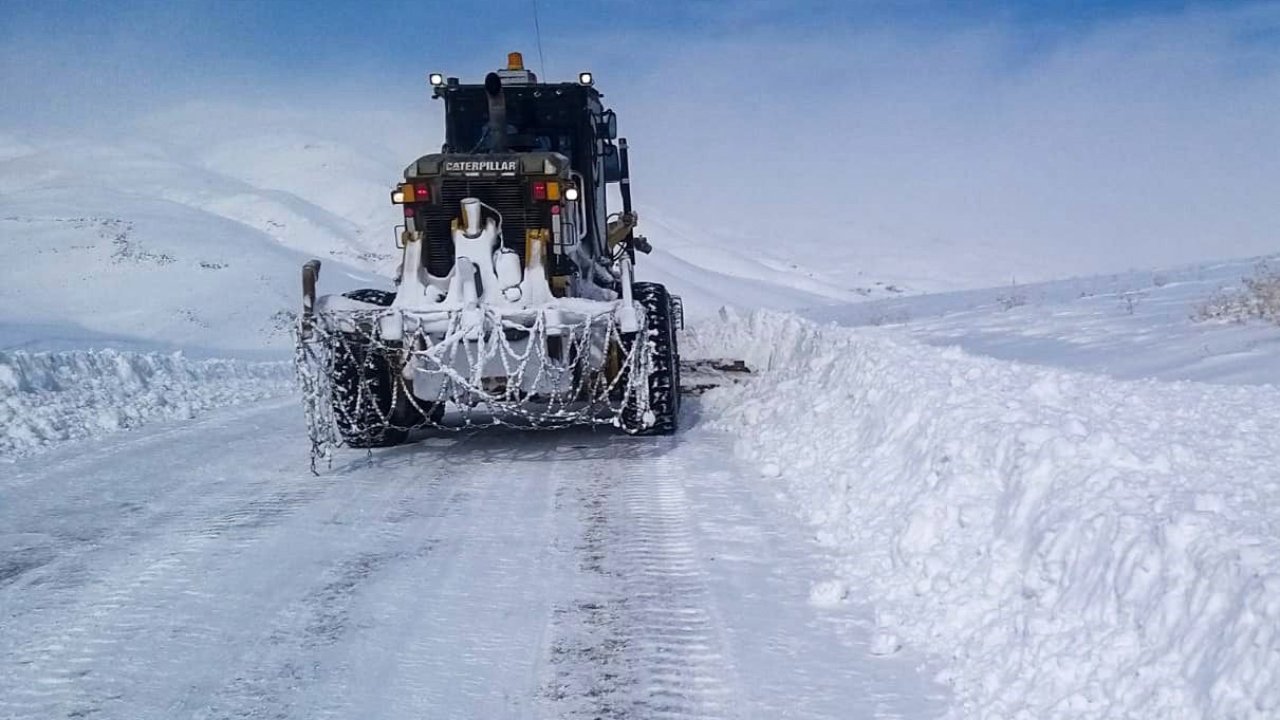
542 368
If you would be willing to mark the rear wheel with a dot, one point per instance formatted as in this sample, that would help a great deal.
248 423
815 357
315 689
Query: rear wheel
662 416
371 402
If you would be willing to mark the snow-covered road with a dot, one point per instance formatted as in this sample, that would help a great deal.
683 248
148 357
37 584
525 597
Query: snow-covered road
200 571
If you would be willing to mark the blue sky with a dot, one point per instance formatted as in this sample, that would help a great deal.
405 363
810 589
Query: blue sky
168 44
63 59
1124 130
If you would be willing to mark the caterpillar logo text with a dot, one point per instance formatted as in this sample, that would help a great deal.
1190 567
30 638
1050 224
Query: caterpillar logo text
486 166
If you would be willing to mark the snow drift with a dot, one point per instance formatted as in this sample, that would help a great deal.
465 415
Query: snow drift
50 397
1070 545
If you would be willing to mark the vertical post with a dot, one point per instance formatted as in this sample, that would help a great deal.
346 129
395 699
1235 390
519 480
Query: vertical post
624 157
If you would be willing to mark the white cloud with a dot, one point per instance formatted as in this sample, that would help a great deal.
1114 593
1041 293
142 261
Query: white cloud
1141 142
970 154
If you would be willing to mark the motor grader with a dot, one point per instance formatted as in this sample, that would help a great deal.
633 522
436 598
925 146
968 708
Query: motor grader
515 301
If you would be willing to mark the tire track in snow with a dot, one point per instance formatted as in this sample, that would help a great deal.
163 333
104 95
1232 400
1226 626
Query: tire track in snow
682 669
130 592
461 633
283 670
449 618
641 638
692 600
587 676
166 601
65 527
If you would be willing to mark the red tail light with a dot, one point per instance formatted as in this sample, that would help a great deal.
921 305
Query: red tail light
421 193
539 190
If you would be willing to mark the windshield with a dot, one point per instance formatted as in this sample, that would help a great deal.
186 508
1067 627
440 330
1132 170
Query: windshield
533 123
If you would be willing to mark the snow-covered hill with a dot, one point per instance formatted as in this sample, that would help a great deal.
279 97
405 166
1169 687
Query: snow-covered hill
140 246
194 240
1129 325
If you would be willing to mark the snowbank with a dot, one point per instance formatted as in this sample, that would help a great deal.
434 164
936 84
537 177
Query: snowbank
49 397
1071 545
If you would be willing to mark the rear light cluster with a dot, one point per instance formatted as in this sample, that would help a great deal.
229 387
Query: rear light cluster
541 190
546 190
409 193
553 190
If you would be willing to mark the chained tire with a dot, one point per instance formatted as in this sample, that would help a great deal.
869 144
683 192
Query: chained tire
663 413
371 405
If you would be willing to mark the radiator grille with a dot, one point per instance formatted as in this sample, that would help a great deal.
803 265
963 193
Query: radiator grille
506 195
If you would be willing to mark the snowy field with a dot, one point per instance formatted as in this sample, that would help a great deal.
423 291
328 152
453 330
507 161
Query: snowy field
1129 325
1048 500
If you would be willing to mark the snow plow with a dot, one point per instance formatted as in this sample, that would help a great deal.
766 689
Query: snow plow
515 302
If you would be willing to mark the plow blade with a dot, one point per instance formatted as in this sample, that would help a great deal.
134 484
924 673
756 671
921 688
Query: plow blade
699 376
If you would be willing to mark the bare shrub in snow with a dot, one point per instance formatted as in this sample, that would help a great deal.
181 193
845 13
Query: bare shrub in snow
1258 299
1014 298
1130 300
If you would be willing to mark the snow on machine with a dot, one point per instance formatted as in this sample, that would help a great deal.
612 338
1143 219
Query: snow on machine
516 301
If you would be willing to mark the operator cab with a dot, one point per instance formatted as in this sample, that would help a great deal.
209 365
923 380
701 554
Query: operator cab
507 138
565 118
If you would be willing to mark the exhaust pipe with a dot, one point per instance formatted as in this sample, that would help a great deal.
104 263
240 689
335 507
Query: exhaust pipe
497 113
310 275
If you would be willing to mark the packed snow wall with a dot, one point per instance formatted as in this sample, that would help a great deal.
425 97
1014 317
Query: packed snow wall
1068 545
50 397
